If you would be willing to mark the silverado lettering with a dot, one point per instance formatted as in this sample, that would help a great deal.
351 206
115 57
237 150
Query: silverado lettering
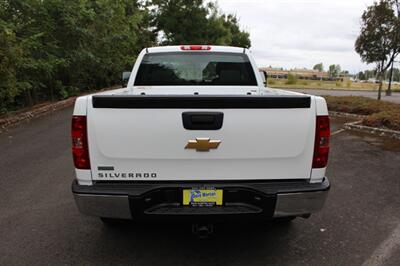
127 175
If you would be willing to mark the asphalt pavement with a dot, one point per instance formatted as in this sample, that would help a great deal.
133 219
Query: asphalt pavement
394 98
40 224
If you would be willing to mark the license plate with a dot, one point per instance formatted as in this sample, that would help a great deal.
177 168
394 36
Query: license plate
202 197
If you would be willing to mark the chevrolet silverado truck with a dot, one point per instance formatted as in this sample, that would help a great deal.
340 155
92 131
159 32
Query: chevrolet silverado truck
195 135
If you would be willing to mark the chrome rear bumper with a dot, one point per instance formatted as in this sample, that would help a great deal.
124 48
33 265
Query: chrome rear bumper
282 202
111 206
297 204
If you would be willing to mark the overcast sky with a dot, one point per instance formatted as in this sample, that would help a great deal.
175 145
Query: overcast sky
301 33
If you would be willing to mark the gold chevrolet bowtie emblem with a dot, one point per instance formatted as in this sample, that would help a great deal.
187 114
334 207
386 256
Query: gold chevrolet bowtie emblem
202 144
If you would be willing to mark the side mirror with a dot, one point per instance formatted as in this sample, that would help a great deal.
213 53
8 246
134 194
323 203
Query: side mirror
125 77
264 77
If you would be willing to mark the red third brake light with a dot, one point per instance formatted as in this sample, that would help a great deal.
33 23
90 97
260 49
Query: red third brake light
80 149
321 146
195 47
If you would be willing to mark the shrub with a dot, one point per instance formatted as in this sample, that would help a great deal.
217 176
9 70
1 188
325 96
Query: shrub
379 113
291 80
387 119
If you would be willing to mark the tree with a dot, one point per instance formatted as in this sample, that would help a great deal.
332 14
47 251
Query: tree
379 40
344 73
52 49
194 22
396 74
370 74
396 6
319 67
334 71
9 54
238 37
361 76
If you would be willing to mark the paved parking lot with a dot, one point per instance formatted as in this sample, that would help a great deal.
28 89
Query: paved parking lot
39 223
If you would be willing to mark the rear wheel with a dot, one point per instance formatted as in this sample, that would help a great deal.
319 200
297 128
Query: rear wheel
113 221
284 220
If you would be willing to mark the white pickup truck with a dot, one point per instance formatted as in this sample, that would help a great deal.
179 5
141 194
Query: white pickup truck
196 135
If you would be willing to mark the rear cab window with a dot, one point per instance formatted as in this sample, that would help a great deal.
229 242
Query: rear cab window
195 68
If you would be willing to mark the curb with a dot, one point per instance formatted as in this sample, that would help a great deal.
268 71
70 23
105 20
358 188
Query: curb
374 130
347 115
356 126
17 118
41 109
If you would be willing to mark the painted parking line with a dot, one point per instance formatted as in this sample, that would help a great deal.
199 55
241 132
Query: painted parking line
385 250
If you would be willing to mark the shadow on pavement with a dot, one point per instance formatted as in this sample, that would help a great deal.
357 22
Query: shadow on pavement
231 243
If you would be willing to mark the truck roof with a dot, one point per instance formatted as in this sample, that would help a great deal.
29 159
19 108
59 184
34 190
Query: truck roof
198 48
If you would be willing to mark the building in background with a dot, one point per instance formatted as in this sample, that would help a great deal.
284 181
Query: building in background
310 74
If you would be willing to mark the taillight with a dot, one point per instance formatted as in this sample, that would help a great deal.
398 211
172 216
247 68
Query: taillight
195 47
80 149
321 146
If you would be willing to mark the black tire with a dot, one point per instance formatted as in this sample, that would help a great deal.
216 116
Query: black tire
113 221
284 220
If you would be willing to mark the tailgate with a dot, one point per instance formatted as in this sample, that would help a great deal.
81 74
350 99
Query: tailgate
144 137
